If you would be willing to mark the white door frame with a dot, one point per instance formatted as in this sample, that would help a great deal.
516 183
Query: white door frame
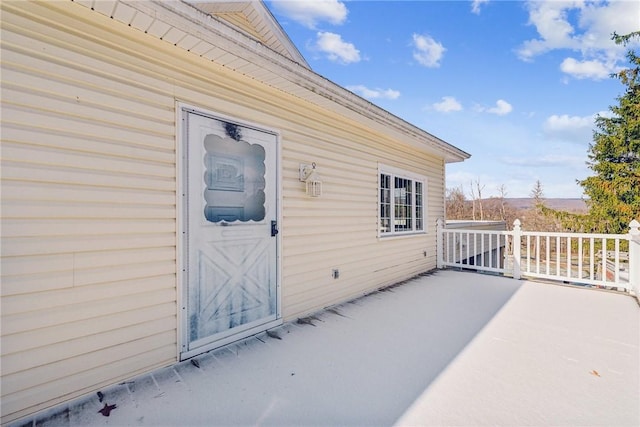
182 237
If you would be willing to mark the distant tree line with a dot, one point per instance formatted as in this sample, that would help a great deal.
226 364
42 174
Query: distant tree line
498 208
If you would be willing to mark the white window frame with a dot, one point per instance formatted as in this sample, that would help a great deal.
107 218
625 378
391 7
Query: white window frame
394 173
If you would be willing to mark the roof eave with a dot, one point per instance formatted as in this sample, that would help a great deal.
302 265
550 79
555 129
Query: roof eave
310 85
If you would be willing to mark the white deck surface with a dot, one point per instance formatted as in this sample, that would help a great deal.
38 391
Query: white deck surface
453 348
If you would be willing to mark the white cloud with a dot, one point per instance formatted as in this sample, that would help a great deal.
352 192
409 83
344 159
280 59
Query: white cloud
601 19
595 69
449 103
564 122
310 13
336 49
476 4
584 27
551 21
570 128
502 108
377 93
427 52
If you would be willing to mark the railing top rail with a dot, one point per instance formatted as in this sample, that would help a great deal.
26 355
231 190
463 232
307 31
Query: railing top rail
464 231
540 233
583 235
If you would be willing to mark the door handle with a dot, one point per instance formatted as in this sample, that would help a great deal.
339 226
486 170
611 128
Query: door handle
274 228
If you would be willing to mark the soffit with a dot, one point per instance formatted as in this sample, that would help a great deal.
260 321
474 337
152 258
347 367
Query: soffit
254 19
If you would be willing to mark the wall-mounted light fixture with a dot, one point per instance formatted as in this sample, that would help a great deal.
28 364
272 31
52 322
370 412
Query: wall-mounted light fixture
309 176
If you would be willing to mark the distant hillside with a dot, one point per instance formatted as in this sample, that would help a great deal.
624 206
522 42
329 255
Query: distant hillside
511 208
568 205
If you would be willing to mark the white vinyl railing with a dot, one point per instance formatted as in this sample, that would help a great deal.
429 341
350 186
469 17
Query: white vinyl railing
483 250
603 260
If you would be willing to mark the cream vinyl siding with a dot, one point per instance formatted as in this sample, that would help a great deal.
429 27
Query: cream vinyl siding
340 229
88 215
90 289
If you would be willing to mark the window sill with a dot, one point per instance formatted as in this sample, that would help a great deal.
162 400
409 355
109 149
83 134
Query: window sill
401 235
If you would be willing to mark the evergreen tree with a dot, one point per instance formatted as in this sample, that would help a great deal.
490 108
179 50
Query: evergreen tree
537 194
614 155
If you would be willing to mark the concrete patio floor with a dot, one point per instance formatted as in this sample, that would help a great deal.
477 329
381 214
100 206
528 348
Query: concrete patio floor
452 348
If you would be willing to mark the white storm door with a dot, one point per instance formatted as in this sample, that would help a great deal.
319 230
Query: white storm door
231 230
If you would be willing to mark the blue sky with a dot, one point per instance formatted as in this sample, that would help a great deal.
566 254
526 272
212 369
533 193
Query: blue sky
516 84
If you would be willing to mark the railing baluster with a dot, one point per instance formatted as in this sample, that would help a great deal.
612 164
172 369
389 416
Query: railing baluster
528 254
580 257
592 264
482 257
617 260
467 248
489 248
569 257
475 249
445 240
604 261
547 255
455 247
538 254
447 247
558 251
486 249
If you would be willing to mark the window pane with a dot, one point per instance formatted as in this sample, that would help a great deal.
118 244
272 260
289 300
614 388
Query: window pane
419 206
385 203
403 208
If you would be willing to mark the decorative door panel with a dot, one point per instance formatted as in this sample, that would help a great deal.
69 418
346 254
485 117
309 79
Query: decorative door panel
231 230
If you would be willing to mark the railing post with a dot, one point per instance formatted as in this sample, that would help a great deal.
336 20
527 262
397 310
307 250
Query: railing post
634 257
439 243
517 234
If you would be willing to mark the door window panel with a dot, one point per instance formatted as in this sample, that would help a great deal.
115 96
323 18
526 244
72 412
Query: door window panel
234 180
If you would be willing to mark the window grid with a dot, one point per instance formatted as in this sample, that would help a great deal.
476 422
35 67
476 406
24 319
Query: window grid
385 203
